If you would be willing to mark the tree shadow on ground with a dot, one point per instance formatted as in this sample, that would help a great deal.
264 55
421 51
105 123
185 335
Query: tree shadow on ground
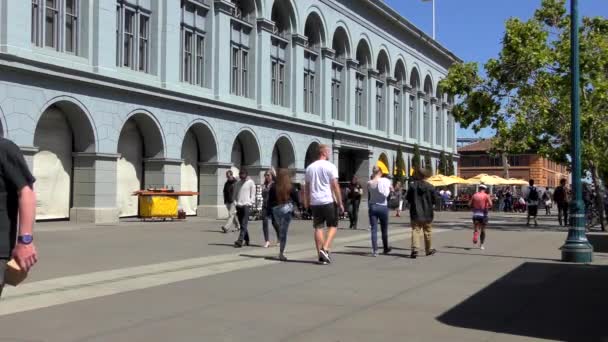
599 242
539 300
271 258
485 254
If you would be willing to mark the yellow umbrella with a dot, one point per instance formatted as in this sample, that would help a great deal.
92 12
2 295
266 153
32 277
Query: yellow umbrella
485 179
440 180
515 181
458 180
382 167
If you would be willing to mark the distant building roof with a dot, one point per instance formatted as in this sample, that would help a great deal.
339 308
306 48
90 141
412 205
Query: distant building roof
480 146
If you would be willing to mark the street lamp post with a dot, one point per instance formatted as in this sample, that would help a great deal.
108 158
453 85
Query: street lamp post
576 248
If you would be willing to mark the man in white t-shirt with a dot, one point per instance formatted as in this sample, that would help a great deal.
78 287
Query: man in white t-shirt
323 196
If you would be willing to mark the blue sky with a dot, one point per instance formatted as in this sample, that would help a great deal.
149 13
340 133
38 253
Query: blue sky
473 29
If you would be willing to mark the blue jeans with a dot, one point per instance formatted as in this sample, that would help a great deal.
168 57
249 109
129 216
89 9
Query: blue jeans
379 212
268 216
282 214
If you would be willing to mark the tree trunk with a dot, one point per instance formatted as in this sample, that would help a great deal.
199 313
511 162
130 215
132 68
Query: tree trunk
505 165
599 190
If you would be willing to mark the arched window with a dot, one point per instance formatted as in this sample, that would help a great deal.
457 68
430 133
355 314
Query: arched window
428 92
364 59
312 31
413 110
193 45
241 44
284 20
398 98
438 124
382 66
341 46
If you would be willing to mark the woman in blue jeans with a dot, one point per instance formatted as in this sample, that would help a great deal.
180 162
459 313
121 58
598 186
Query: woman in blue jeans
378 190
281 198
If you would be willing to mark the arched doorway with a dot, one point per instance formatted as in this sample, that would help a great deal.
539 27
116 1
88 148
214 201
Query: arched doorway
383 164
312 153
283 155
140 138
198 147
63 128
245 151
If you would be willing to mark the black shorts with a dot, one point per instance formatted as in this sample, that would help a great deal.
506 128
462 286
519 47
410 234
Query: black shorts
480 219
324 215
532 210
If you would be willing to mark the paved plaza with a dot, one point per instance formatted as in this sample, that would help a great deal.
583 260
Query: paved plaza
184 281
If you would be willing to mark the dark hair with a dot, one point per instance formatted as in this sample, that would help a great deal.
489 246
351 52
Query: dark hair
283 186
563 181
531 182
243 171
420 174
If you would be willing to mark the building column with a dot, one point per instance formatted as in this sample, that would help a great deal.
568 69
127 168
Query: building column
336 156
420 118
103 45
94 192
432 113
222 53
212 177
299 175
264 67
349 101
389 116
327 57
162 172
407 114
256 173
444 122
297 58
371 103
170 60
15 25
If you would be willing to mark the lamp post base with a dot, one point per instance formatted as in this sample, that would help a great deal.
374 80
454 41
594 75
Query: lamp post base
577 251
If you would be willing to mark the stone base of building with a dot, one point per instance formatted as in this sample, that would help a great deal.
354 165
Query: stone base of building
212 211
94 215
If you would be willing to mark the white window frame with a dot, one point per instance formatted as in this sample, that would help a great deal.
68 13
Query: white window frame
310 81
380 106
438 128
426 121
398 115
336 91
278 66
360 117
38 26
239 60
134 59
195 72
413 112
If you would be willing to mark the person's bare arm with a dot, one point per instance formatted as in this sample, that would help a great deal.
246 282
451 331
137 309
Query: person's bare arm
26 255
335 186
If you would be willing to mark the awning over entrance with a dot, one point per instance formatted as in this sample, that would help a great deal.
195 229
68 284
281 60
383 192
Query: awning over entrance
383 167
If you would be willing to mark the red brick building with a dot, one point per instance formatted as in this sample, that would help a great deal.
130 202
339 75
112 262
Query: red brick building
475 159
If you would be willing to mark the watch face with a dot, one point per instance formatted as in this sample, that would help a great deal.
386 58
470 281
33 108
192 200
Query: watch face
26 239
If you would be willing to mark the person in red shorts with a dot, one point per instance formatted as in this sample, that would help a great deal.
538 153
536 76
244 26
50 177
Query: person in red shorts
480 204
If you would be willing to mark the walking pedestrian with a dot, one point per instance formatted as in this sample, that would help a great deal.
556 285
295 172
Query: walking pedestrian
561 198
355 191
323 196
547 202
480 204
232 223
379 188
282 197
508 201
532 198
399 197
421 197
267 217
244 196
17 210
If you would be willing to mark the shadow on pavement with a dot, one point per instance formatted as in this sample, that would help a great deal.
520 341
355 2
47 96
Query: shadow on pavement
294 261
561 302
490 255
599 242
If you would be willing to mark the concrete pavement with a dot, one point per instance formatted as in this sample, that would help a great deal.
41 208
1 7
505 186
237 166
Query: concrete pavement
184 282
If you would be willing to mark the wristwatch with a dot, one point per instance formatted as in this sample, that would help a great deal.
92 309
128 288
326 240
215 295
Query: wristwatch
25 239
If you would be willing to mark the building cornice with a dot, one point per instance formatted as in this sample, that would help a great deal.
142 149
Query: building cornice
224 6
328 53
265 25
299 40
352 63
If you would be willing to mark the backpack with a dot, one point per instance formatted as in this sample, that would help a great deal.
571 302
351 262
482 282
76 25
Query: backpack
533 196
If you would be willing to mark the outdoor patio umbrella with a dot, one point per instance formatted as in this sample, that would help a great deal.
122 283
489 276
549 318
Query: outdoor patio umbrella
440 180
515 181
458 180
486 179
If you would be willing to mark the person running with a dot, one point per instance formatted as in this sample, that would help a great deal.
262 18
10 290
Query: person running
281 198
267 216
323 196
532 199
547 202
379 188
354 201
244 196
561 198
17 210
480 204
422 199
399 197
232 223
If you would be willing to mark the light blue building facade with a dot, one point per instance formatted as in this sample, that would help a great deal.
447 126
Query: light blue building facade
106 97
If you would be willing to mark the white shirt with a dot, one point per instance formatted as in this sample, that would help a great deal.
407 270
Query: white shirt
319 176
244 192
379 191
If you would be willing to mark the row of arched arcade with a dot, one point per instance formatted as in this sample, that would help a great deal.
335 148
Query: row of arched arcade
70 172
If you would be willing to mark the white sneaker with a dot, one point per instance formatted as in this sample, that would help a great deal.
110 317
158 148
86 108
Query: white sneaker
482 247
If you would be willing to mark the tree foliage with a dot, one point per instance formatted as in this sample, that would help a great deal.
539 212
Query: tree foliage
450 166
416 161
399 167
442 167
428 163
525 92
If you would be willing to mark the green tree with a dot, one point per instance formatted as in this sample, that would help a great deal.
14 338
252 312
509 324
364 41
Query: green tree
428 163
525 93
450 166
416 161
400 171
442 168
